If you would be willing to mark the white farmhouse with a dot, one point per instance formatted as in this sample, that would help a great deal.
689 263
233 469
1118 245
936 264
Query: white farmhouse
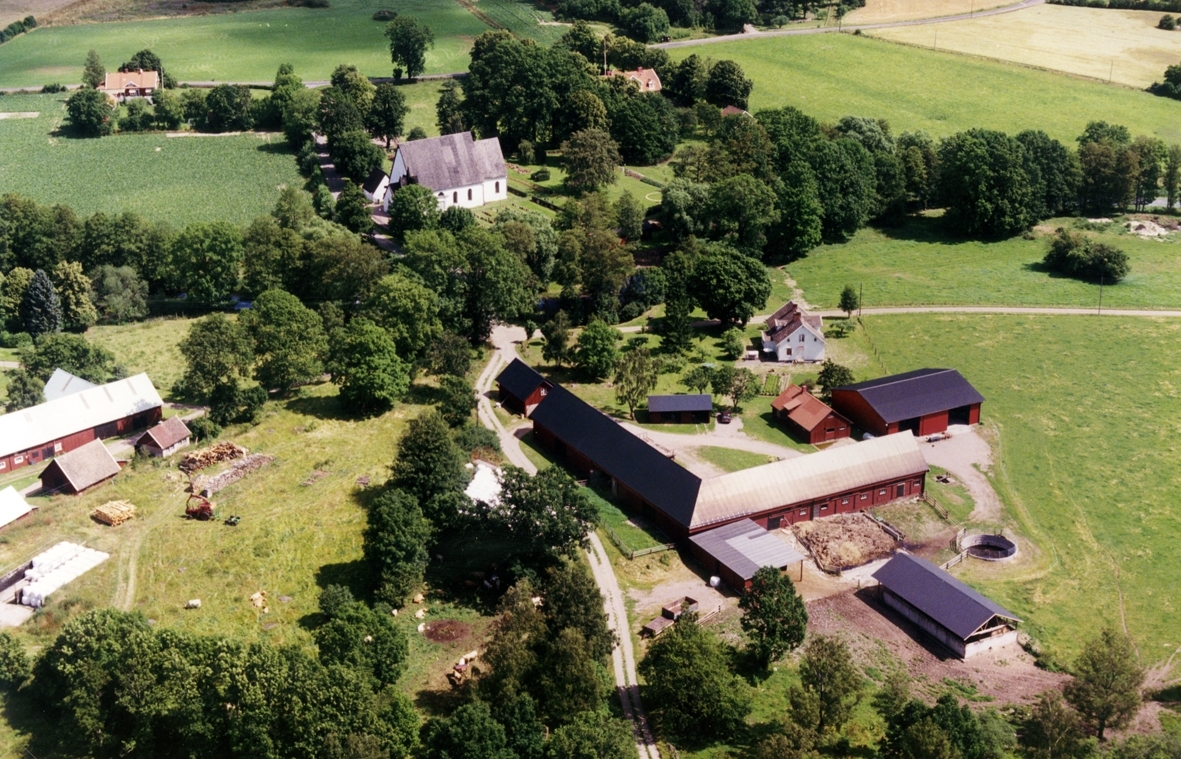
793 335
459 170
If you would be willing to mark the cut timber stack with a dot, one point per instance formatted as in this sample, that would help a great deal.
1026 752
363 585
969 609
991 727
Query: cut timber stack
114 512
206 457
207 486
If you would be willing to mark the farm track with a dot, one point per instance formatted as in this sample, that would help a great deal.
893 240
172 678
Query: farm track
849 28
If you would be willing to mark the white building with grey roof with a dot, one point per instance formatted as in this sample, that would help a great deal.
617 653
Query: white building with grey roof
459 170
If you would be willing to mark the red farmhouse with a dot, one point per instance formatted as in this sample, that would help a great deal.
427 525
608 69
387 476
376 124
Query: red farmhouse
520 388
808 417
924 402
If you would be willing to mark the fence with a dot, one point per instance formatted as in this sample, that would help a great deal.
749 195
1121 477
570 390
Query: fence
873 346
934 504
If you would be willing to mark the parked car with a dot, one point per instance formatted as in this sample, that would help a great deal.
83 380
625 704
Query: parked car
723 417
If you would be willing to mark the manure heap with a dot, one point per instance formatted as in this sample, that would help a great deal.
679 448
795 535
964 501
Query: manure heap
55 568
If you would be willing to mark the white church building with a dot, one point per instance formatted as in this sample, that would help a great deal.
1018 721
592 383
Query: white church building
459 170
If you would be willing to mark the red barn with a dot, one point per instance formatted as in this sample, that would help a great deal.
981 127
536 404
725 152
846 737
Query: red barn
925 401
808 417
520 388
680 408
80 469
36 434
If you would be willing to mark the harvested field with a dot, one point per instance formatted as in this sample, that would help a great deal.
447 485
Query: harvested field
446 631
206 457
844 541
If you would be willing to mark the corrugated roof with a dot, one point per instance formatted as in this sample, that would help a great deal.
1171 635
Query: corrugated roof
744 547
166 434
818 475
86 466
915 394
665 404
53 420
802 407
453 160
937 594
520 379
659 480
61 383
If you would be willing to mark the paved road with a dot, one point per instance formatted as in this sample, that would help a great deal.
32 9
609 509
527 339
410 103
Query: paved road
849 28
504 339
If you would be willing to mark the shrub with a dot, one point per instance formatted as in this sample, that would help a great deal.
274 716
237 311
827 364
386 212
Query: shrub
1167 23
203 428
52 88
1077 256
384 15
472 436
541 175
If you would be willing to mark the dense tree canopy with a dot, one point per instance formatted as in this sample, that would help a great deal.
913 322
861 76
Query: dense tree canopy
289 340
984 185
363 360
729 285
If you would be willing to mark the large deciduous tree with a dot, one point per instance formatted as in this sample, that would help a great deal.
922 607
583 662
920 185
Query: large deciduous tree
289 340
1106 686
409 41
828 675
408 311
364 362
93 73
228 108
206 259
412 207
387 115
742 209
395 544
636 374
591 158
72 353
727 85
24 390
984 185
73 290
773 615
845 182
216 351
832 375
729 285
548 514
91 113
596 351
429 464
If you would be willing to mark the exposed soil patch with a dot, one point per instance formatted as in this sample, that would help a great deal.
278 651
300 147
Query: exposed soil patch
446 631
876 634
844 540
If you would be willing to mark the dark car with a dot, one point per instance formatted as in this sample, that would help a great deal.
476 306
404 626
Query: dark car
723 417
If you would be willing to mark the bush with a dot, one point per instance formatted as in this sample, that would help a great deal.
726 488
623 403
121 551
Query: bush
1167 23
14 662
49 89
541 175
1080 257
15 339
333 599
472 436
203 428
384 15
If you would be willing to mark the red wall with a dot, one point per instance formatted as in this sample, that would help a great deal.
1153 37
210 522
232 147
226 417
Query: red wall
855 408
78 439
523 406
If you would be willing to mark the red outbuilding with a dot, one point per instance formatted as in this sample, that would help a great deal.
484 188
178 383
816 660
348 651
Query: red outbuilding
925 402
520 387
808 417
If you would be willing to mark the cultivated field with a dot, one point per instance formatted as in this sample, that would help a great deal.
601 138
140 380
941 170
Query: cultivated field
1087 464
918 264
15 10
889 11
245 47
1094 42
174 179
829 76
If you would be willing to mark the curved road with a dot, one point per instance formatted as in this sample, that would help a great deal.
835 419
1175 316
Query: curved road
623 657
850 28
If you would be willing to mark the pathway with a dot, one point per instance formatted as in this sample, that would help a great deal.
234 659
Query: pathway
504 339
331 178
849 28
968 457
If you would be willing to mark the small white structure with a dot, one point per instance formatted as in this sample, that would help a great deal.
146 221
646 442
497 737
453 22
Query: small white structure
376 185
794 335
485 485
53 569
12 506
460 171
61 383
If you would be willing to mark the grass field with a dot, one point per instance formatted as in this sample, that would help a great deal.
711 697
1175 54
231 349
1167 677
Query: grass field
244 46
834 75
147 346
173 179
730 459
919 264
1094 42
523 17
1088 462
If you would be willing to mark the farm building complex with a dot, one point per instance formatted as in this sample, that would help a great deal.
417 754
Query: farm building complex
39 433
461 171
840 480
925 401
80 469
808 417
680 408
943 607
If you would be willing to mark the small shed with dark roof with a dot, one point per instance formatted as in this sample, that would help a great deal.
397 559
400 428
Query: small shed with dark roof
520 387
679 408
925 401
943 607
80 469
734 552
166 438
808 417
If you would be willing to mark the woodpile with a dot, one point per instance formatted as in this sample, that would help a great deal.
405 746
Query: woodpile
207 486
195 461
114 512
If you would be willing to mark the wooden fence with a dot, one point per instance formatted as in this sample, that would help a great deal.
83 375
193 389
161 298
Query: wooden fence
934 504
627 550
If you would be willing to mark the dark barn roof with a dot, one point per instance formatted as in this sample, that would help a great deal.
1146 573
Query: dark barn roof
745 547
656 478
937 594
665 404
520 379
915 394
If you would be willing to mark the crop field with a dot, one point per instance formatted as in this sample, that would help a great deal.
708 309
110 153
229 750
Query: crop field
174 179
918 264
245 47
1088 463
522 17
833 75
1124 46
889 11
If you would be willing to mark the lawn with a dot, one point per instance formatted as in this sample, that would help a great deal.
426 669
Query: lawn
147 346
1088 462
245 46
174 179
919 263
833 75
1093 42
732 460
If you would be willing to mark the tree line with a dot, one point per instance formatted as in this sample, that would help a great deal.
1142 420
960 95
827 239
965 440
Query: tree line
650 21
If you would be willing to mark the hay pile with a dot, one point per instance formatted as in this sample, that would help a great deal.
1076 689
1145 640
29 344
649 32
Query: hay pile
844 541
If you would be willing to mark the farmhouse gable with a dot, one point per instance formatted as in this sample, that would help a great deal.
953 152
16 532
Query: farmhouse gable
794 335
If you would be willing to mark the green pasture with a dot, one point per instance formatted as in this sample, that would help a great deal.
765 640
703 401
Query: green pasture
833 75
147 346
523 18
244 47
174 179
1088 466
732 460
919 263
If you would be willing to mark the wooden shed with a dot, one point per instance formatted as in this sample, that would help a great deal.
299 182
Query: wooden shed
686 409
808 417
520 388
166 438
80 469
925 401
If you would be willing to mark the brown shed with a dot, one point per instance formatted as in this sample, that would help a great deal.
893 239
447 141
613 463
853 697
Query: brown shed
166 438
808 417
80 469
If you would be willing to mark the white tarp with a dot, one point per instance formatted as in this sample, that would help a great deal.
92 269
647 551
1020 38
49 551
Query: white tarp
53 569
485 485
12 506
